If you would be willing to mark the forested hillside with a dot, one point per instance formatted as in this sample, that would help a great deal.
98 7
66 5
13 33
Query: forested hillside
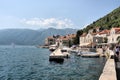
107 22
110 20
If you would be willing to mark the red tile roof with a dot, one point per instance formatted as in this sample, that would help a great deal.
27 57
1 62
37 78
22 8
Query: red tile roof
104 32
64 38
116 30
71 35
50 37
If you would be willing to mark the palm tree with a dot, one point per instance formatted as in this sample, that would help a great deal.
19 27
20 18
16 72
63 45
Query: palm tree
118 39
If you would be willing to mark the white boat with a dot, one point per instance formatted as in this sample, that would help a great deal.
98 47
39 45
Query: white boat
53 47
66 51
79 53
74 51
88 54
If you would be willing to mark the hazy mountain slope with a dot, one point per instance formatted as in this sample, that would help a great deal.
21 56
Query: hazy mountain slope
18 36
29 37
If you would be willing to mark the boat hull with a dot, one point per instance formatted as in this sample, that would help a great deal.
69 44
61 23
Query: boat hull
96 55
56 59
52 50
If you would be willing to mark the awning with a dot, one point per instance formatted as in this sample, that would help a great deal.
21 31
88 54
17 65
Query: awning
84 44
102 43
91 44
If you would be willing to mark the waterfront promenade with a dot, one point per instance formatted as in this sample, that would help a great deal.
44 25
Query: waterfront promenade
109 71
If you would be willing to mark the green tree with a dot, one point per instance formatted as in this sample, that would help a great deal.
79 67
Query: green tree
76 39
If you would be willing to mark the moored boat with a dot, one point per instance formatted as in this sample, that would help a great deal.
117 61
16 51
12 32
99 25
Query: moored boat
52 47
89 54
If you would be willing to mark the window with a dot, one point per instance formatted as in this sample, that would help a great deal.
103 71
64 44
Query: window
112 39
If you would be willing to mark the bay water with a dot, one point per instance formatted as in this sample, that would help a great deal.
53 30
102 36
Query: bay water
31 63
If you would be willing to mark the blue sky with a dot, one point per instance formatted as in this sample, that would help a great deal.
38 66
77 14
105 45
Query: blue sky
36 14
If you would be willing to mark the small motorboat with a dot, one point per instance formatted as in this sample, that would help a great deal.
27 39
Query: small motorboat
90 54
52 47
79 53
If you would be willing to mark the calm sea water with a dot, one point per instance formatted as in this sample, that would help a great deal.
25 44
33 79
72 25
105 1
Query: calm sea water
31 63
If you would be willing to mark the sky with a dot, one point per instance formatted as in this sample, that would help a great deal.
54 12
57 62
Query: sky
37 14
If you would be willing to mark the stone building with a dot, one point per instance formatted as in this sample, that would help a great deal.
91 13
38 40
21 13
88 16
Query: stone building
114 34
91 39
50 40
67 40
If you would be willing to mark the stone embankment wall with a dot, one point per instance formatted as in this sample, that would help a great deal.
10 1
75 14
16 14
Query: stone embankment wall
109 72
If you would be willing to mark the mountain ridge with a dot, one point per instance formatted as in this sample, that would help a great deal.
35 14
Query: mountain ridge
30 37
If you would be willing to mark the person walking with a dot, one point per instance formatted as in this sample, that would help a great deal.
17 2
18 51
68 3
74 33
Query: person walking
117 50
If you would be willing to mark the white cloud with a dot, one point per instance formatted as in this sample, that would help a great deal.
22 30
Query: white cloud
50 22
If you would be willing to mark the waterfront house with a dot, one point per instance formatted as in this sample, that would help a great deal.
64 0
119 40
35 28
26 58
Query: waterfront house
50 40
101 37
71 39
104 33
92 39
67 40
83 40
114 33
104 36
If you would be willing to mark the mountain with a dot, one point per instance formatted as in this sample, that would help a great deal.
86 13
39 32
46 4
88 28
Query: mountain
30 37
108 21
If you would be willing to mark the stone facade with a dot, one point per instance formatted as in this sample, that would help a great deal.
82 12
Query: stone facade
100 37
94 38
114 33
50 40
